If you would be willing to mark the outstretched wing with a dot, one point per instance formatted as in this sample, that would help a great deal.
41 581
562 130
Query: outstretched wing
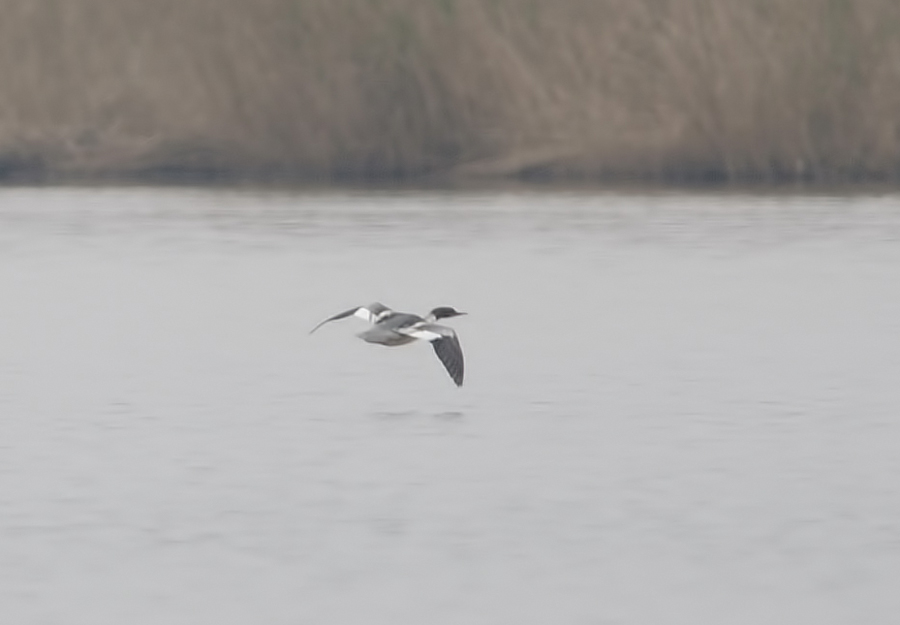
371 313
450 353
445 343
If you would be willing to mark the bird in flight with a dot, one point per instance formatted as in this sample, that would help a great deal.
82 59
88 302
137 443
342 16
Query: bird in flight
393 328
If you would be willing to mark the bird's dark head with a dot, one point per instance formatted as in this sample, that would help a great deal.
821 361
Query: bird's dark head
444 312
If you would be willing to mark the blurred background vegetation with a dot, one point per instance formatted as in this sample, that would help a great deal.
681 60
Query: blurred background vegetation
691 90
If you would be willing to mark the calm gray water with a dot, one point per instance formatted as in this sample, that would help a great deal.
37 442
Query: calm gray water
678 409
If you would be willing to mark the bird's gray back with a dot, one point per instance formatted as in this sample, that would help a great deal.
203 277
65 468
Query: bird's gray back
398 320
385 331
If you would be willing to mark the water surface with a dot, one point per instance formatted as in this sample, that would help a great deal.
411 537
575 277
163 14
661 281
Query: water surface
678 409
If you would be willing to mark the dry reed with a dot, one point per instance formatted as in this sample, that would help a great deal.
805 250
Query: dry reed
654 89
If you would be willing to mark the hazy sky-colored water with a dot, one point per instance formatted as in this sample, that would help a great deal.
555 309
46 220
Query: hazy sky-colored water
678 409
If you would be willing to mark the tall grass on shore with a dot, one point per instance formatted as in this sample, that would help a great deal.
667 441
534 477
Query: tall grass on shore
653 89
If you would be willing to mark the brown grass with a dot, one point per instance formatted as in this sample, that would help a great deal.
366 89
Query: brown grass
675 89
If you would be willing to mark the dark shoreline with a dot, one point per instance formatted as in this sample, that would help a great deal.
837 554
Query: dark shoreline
285 181
213 178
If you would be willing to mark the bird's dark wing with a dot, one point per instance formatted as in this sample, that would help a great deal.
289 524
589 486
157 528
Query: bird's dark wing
370 313
445 343
450 353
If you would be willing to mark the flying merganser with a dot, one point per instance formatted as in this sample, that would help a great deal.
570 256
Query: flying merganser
393 328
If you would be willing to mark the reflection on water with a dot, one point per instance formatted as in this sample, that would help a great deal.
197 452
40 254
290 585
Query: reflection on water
678 408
